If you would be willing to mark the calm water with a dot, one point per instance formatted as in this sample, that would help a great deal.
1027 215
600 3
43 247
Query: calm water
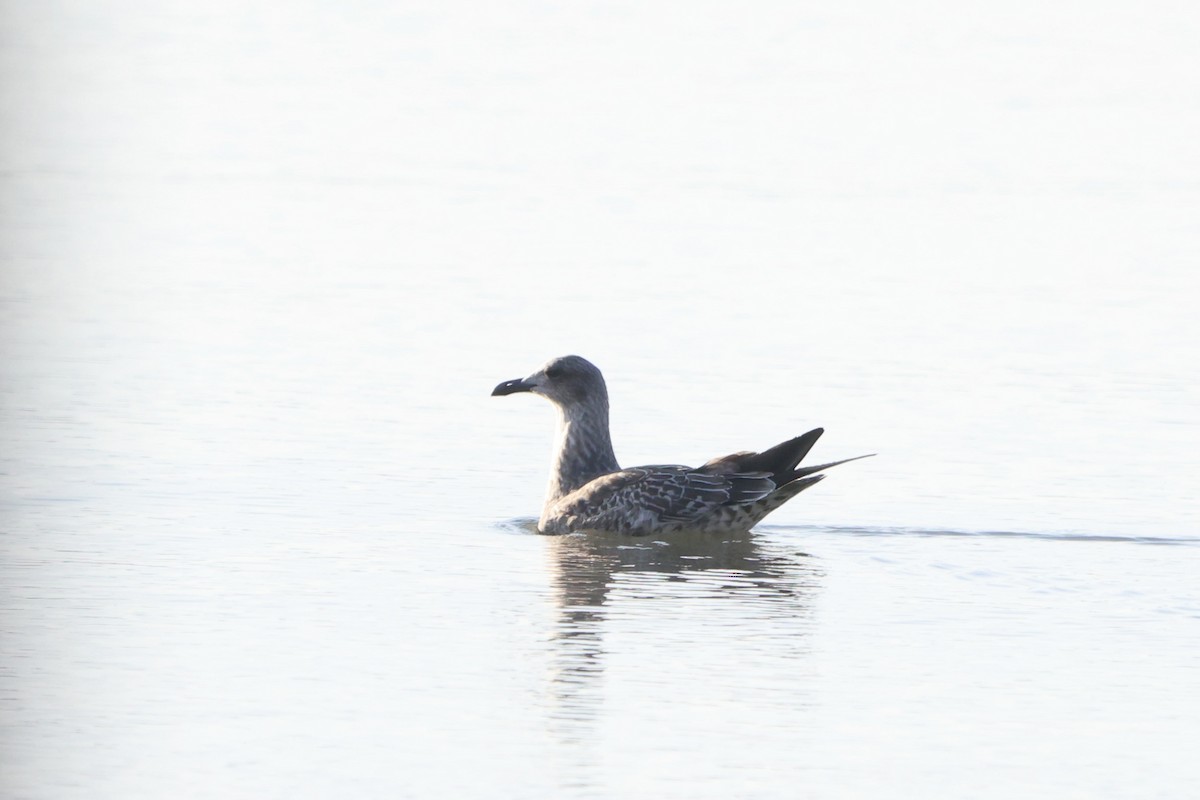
265 534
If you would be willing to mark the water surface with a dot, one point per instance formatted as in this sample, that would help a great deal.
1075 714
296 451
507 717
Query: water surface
264 532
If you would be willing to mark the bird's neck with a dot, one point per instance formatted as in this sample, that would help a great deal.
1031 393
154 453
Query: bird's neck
582 450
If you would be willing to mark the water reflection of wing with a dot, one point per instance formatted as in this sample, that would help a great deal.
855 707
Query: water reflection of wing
594 575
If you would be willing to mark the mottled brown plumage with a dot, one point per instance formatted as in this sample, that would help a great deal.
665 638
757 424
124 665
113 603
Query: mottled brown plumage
589 491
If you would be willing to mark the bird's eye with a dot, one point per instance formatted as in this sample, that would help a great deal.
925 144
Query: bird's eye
554 372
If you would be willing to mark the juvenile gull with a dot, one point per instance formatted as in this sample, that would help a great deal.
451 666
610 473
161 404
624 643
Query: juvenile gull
590 492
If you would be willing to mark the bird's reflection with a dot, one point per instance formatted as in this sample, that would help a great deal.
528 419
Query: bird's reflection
599 578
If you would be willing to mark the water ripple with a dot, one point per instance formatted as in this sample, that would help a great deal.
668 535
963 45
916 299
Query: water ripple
529 525
1056 536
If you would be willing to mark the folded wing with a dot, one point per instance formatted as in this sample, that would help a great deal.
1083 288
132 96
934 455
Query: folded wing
645 498
634 497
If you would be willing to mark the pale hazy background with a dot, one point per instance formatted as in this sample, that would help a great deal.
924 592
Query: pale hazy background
262 525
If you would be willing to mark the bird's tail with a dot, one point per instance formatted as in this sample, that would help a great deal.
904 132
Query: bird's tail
780 462
799 474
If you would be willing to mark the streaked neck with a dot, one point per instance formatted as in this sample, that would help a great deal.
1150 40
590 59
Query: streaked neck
582 450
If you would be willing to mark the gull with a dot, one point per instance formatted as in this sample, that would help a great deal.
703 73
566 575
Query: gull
589 491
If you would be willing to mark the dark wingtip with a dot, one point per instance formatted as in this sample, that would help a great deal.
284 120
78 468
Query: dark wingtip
804 471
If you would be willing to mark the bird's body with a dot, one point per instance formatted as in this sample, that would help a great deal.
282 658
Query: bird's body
589 491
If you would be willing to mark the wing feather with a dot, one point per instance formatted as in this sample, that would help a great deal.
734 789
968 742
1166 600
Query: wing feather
640 495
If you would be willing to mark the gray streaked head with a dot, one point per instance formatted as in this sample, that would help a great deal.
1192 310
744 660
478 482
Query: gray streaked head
565 381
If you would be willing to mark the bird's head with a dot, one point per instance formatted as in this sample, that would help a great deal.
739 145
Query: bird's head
565 381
